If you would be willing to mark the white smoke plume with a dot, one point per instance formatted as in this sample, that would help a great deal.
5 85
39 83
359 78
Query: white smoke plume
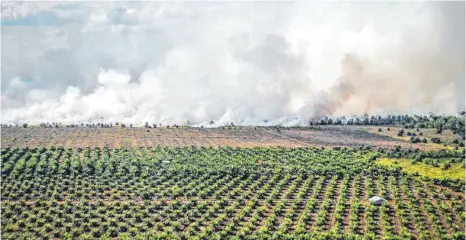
245 63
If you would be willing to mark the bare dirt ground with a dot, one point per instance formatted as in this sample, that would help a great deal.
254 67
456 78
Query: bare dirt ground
326 136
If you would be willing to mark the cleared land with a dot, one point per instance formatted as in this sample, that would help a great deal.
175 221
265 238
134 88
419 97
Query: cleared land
326 136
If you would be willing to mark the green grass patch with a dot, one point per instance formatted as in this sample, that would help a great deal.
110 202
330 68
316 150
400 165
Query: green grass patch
456 171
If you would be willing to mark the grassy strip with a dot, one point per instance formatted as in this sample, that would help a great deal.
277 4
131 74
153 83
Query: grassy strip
456 171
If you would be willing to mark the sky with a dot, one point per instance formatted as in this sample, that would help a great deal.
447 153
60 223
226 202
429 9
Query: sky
242 62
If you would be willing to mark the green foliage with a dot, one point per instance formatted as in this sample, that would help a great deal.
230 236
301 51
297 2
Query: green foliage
219 193
456 124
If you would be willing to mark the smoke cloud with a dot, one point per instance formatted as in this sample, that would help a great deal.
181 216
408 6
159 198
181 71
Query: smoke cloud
248 63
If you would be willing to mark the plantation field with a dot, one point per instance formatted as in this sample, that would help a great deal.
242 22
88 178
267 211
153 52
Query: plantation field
219 193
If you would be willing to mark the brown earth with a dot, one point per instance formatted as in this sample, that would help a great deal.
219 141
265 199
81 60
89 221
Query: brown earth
320 136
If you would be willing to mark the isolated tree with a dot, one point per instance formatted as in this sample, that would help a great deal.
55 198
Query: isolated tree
400 133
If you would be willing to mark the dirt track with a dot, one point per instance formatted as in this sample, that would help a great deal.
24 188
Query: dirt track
328 136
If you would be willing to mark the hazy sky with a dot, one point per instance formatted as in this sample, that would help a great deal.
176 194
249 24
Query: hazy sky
229 61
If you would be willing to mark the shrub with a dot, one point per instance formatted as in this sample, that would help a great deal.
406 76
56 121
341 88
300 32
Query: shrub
415 139
446 166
